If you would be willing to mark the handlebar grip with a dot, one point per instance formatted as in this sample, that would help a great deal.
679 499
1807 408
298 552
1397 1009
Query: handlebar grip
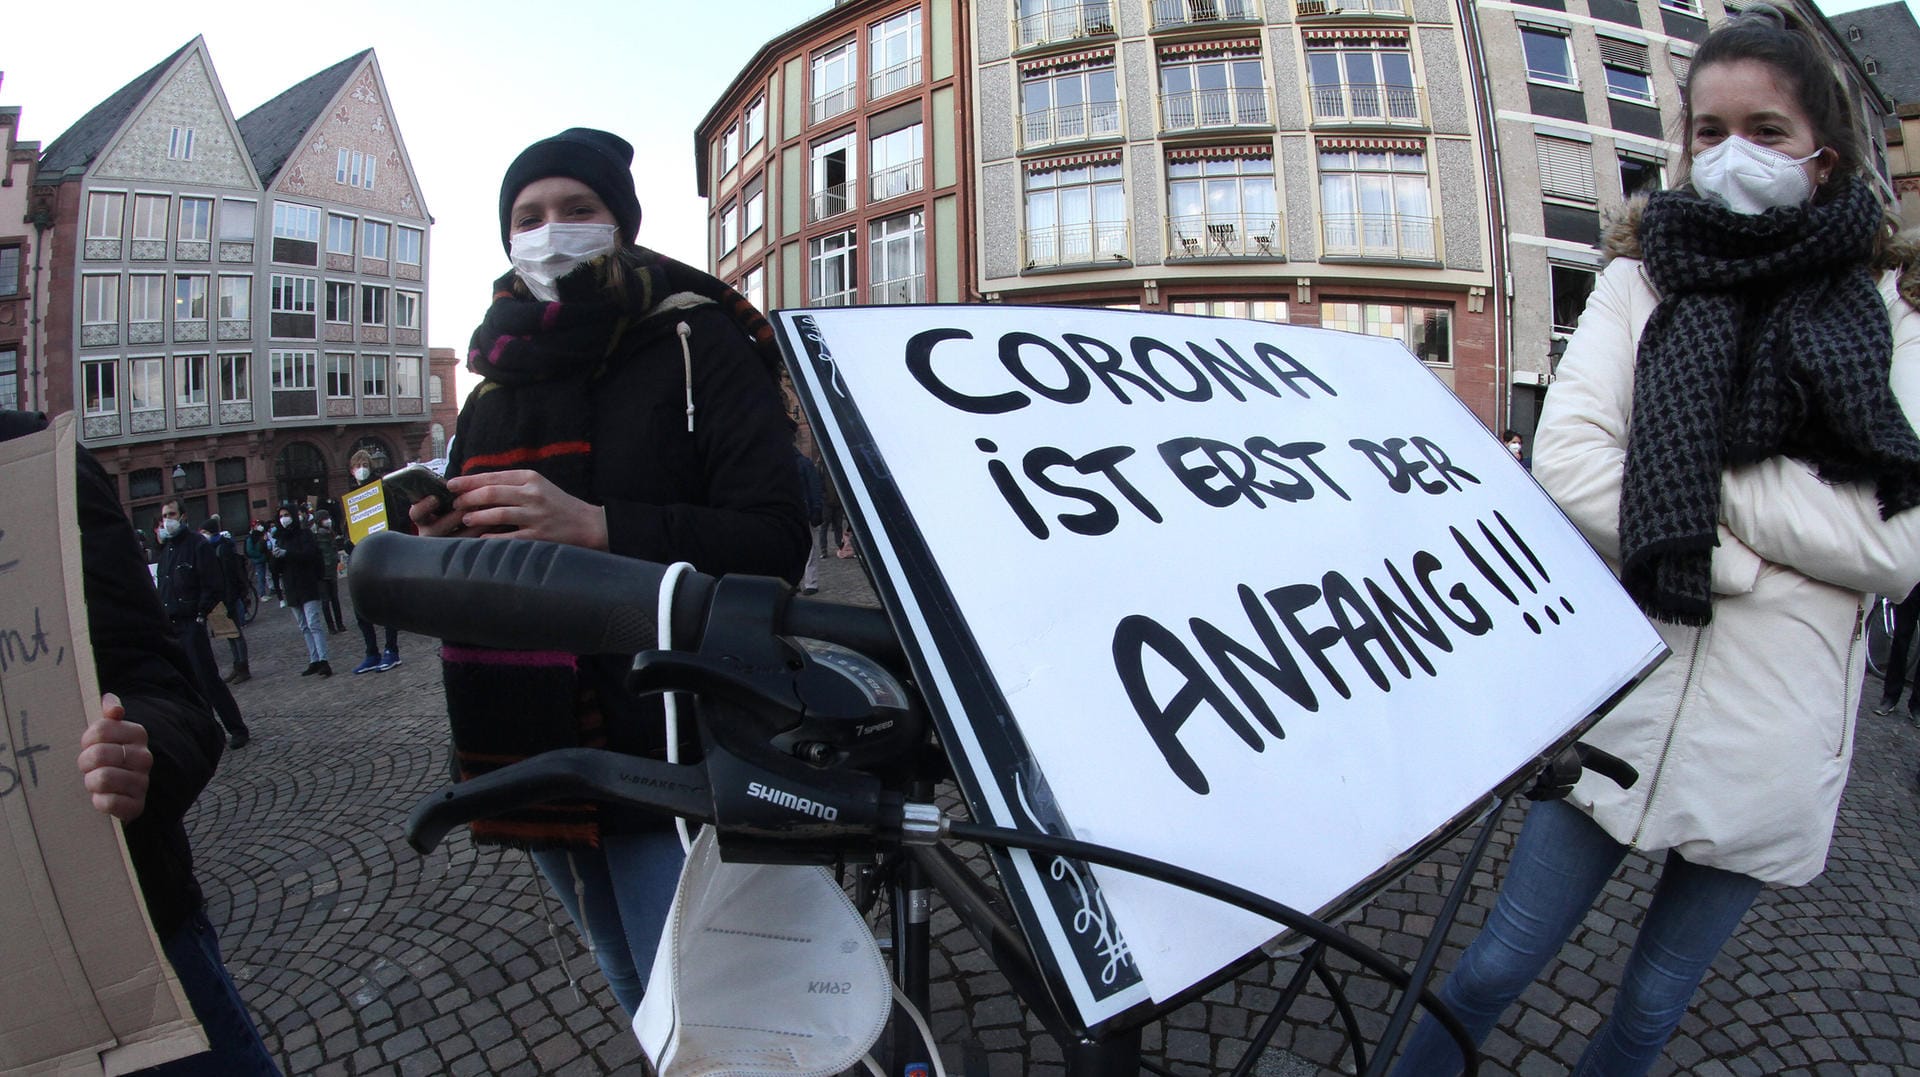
1608 765
520 595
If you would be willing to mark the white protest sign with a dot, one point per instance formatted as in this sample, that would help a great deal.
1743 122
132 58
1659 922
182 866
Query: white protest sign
1263 601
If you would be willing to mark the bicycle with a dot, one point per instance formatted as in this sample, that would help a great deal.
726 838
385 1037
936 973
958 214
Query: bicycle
806 696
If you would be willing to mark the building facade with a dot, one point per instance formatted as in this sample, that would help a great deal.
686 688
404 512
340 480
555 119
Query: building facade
19 254
236 308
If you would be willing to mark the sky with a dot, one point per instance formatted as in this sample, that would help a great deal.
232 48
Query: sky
471 83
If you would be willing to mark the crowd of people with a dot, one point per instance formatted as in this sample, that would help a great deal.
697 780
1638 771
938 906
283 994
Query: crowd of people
1729 427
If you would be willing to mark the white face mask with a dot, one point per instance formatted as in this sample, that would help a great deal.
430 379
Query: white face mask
551 251
286 521
1747 178
361 474
168 529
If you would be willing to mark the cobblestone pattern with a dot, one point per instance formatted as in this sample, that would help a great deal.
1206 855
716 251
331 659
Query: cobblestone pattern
358 956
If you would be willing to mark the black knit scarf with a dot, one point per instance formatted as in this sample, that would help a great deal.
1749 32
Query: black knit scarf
1770 339
534 411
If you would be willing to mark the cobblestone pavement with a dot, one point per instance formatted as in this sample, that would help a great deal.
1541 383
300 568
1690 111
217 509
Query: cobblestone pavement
358 956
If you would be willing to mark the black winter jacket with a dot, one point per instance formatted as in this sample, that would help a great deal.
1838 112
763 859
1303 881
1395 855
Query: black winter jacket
190 578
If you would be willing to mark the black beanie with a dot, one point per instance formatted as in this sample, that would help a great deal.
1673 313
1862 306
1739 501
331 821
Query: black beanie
598 159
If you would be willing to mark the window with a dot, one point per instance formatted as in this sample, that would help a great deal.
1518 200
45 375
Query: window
756 209
339 375
1075 214
292 295
180 144
373 305
896 162
100 300
756 121
729 227
373 376
1549 58
236 299
730 149
1627 69
9 377
1872 65
1566 168
406 375
1640 174
406 310
1425 331
1213 91
296 222
1069 104
1374 203
373 240
897 258
106 211
290 370
1363 80
1222 206
150 216
146 297
9 279
1680 64
1690 7
894 54
1265 310
99 387
353 168
406 245
1043 21
434 392
1571 287
830 274
236 221
236 383
196 220
339 302
754 287
147 384
189 297
1853 33
833 81
189 380
832 176
339 234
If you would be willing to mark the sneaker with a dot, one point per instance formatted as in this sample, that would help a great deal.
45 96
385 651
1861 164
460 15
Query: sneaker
369 664
238 740
323 669
389 660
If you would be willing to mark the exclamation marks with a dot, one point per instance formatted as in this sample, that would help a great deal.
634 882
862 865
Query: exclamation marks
1505 551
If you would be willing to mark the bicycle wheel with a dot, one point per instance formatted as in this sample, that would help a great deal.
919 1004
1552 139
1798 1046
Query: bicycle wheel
1879 633
249 603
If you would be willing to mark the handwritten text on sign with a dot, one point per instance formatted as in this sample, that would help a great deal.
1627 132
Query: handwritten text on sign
1225 571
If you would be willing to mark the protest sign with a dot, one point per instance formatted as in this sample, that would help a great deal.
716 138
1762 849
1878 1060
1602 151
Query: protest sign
86 988
1263 601
366 509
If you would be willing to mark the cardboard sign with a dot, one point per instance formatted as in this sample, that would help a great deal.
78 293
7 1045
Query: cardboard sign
87 989
366 509
1263 601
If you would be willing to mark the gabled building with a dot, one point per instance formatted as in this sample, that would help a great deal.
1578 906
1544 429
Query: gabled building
19 253
236 308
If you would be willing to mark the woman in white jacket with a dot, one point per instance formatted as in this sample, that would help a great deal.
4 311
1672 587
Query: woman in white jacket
1730 429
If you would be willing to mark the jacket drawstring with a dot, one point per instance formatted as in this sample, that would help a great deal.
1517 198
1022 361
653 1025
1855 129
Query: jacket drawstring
686 366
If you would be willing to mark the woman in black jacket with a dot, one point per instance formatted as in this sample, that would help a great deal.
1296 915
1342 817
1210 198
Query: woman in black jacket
631 404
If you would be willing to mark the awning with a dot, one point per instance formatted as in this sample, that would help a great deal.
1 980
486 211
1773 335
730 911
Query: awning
1186 48
1357 33
1211 153
1048 164
1404 145
1068 59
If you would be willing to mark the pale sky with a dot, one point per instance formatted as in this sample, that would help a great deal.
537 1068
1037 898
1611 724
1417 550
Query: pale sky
470 82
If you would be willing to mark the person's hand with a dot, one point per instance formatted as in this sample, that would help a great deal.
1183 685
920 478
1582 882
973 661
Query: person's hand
433 524
525 505
115 761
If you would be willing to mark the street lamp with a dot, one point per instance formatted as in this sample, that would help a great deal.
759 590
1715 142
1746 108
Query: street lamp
179 474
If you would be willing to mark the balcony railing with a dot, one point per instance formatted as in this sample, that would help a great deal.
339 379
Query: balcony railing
1070 123
1169 14
1193 110
1369 104
833 201
832 103
895 78
1065 24
1389 236
1087 243
1307 9
894 182
1224 235
902 290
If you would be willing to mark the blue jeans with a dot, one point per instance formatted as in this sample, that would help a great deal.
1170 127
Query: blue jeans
625 888
233 1044
313 627
1561 862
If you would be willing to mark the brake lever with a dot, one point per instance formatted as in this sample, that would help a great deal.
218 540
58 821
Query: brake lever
1562 773
563 774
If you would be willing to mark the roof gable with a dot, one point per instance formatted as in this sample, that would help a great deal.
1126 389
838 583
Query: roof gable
79 144
350 151
275 129
182 132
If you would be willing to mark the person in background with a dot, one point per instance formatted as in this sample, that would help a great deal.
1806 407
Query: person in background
256 547
1732 429
377 659
300 567
227 618
1517 445
330 546
147 757
631 404
816 520
1906 615
191 585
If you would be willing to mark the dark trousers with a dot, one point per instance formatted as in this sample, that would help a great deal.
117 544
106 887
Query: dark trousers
199 647
233 1043
1906 616
366 633
330 604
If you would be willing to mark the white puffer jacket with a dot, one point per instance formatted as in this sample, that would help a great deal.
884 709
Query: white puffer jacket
1743 738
